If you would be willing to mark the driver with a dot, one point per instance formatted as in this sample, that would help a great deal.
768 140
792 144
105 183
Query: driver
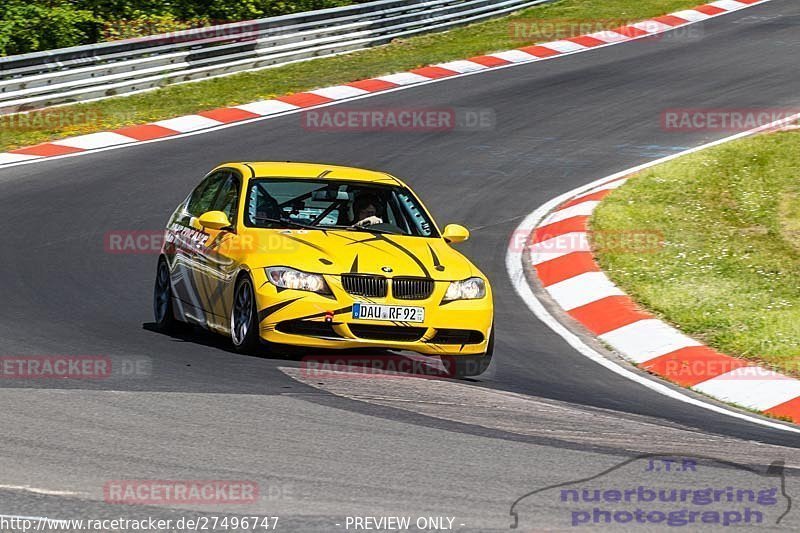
366 208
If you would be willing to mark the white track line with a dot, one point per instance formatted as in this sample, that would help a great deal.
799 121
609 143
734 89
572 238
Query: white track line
41 519
516 272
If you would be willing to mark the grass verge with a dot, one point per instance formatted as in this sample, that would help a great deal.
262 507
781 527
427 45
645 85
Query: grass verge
542 23
728 272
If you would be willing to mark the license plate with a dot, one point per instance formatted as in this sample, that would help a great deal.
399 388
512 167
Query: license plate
395 313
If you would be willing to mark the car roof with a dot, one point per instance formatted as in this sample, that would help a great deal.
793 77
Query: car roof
286 169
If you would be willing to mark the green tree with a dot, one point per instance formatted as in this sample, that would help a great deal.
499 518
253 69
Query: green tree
28 27
32 25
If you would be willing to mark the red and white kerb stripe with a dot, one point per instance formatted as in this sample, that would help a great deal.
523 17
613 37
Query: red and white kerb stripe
561 256
264 108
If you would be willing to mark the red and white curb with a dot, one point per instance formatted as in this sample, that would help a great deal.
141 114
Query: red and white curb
558 254
264 109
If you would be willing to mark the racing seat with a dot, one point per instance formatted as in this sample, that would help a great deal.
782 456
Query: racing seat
267 206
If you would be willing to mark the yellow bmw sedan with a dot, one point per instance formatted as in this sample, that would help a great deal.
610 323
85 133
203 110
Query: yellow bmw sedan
322 256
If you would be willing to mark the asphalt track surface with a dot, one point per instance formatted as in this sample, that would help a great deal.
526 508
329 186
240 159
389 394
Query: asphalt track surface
323 451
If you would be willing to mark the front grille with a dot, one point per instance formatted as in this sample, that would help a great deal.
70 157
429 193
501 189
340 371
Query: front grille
387 333
311 328
364 285
412 288
457 336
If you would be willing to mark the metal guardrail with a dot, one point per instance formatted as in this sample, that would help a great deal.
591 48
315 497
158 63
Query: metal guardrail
41 79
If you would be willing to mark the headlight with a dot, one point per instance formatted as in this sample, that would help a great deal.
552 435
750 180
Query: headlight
468 289
289 278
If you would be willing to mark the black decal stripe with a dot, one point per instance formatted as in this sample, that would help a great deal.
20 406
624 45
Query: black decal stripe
354 267
365 242
312 245
193 297
375 237
436 264
264 313
217 293
405 250
335 312
203 291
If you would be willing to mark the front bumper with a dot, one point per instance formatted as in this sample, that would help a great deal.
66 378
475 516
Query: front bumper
301 318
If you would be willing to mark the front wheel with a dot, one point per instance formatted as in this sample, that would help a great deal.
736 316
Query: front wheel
244 317
463 366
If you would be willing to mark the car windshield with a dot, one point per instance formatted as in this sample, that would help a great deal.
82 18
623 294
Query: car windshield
328 204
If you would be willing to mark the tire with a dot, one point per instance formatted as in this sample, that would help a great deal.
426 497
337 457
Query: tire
464 366
244 317
162 298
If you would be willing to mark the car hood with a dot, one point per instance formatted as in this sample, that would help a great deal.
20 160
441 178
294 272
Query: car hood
337 252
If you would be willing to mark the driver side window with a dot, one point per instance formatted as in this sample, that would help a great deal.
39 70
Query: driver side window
205 194
228 198
393 219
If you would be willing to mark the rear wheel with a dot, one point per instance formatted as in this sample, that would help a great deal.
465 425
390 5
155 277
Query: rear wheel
463 366
162 298
244 316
